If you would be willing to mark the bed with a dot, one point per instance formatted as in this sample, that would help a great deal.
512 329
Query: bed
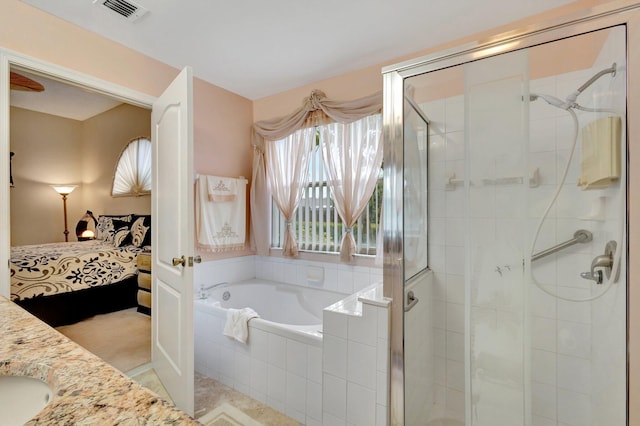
63 283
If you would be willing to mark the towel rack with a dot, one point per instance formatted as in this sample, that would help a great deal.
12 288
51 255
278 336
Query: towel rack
580 236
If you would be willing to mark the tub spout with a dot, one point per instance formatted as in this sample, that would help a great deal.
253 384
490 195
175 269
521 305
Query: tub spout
204 291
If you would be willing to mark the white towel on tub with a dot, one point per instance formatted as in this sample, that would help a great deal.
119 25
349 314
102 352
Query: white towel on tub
237 323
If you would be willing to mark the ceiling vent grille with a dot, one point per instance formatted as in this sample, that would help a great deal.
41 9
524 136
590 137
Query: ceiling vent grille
126 9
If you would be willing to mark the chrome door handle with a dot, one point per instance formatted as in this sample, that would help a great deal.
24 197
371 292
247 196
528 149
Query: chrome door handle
411 301
179 261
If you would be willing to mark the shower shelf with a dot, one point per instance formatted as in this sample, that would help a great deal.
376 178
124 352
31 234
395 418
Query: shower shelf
534 181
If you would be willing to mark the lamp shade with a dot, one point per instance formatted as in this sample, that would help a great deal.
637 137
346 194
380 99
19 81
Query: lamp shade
64 189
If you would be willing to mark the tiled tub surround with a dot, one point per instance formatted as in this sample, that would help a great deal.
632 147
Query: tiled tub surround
273 365
281 364
355 360
86 389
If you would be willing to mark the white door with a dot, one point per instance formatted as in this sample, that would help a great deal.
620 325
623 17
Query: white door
172 236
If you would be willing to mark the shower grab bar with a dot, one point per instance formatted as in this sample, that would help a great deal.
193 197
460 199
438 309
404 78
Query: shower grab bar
580 236
534 181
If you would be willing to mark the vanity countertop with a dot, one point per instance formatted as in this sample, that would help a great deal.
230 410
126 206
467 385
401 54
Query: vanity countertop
87 391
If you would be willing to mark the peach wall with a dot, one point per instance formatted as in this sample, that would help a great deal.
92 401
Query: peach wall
221 119
369 80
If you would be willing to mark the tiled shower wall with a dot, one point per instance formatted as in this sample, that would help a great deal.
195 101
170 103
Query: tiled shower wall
571 371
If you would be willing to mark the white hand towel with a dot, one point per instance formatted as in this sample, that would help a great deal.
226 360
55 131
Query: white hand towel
237 323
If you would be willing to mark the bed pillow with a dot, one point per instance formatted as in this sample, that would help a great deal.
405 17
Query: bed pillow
141 230
105 229
121 233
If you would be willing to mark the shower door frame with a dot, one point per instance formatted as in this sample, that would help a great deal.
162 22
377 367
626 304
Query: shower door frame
625 13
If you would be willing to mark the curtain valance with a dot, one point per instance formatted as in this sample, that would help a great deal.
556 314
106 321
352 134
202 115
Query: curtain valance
315 110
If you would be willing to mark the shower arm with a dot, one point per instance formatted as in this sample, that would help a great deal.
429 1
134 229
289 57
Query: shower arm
580 236
571 99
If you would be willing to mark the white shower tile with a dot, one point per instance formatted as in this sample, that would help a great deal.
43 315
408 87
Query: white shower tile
543 304
440 370
437 231
335 324
334 356
574 311
345 280
383 323
569 267
296 393
330 278
364 329
277 351
437 205
382 388
382 355
574 408
454 261
329 419
439 317
435 111
259 376
382 413
334 397
437 258
360 280
259 342
544 334
455 375
454 113
455 346
437 149
574 374
440 342
361 364
454 201
314 400
361 405
455 288
543 367
454 143
314 364
543 400
242 369
542 421
542 135
455 230
574 339
455 317
296 358
276 384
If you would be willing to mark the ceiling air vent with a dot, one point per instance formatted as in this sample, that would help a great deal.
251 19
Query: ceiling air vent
126 9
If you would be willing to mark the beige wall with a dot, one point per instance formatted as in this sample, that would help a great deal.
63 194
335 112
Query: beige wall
221 119
51 149
47 153
104 137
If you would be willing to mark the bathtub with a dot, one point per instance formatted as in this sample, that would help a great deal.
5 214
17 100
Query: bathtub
281 364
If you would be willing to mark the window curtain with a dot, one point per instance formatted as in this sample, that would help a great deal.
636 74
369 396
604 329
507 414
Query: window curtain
287 176
352 156
315 110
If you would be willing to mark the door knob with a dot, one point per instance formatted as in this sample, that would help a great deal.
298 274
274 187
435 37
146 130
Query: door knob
179 261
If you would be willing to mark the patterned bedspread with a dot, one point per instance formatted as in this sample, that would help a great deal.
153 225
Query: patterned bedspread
47 269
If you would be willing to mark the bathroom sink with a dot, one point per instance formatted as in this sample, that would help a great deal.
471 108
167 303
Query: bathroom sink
21 398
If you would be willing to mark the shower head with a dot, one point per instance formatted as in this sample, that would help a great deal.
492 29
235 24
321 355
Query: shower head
551 100
571 101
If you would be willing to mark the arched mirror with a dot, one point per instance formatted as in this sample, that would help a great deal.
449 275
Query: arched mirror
132 176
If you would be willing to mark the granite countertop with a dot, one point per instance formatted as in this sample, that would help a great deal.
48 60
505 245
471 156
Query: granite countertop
87 391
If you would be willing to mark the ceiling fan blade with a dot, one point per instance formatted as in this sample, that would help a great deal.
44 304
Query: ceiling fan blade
20 82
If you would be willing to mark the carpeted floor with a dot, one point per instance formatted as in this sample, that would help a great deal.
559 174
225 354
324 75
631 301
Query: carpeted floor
122 339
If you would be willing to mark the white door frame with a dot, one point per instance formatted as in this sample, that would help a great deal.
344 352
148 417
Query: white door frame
7 59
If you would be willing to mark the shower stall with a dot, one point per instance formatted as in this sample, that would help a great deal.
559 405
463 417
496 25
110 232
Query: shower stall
507 164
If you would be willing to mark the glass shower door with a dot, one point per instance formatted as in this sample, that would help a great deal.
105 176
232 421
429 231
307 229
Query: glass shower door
509 336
